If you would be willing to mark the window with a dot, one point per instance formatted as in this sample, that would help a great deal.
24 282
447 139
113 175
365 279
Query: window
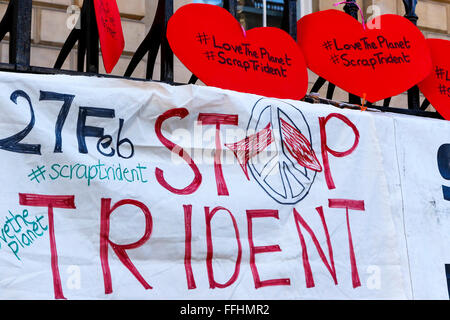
258 13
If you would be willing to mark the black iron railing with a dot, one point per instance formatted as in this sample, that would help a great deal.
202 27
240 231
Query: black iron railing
17 21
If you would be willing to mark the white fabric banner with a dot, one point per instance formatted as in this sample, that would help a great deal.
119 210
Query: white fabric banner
117 189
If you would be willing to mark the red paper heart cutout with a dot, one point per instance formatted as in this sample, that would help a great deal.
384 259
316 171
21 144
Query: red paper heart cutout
379 63
110 32
211 43
436 87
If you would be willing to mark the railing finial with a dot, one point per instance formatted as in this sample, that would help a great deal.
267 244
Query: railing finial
351 8
410 9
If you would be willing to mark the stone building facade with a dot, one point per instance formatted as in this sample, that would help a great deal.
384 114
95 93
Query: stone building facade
52 20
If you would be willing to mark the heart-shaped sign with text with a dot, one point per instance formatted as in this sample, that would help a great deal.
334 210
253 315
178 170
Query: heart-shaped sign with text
110 32
211 43
436 87
376 63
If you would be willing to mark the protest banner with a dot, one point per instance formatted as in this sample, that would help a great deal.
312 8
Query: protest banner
119 189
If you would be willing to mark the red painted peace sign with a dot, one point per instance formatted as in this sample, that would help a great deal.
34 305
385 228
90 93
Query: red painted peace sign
287 167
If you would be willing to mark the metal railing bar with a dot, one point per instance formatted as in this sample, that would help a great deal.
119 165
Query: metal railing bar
90 34
6 22
289 21
425 105
318 84
413 93
69 44
193 79
330 90
167 58
20 34
352 10
231 6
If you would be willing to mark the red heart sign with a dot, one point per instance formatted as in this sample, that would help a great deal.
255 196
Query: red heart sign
110 32
436 88
378 63
211 43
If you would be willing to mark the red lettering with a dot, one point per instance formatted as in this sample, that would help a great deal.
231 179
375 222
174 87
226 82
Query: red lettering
193 186
353 205
330 266
208 217
326 149
252 214
187 248
119 249
218 120
61 202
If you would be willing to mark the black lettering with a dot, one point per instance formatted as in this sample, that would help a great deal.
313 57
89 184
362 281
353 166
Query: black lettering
84 131
12 143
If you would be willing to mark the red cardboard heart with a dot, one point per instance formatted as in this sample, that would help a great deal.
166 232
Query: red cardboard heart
436 87
110 32
378 63
211 43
